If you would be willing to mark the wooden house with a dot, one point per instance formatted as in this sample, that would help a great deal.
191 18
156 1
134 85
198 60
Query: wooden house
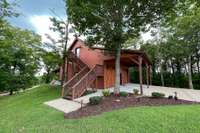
95 68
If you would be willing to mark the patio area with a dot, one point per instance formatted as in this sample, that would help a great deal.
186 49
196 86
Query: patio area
68 106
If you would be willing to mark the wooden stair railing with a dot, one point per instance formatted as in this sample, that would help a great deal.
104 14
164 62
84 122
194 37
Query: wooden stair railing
69 84
84 68
72 57
80 87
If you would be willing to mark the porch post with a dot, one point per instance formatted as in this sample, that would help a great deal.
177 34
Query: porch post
73 68
140 74
150 71
96 83
67 70
147 74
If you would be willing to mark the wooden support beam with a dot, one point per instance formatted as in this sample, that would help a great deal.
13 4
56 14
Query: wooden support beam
150 75
147 75
96 83
140 74
135 61
67 71
73 69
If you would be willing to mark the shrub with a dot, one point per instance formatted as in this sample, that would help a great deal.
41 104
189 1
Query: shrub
95 100
175 97
157 95
87 92
123 94
135 91
106 93
170 97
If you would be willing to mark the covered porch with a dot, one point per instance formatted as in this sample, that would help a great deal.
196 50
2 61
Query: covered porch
129 58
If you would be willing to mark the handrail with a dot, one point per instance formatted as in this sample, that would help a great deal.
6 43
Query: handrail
74 76
77 58
84 77
79 87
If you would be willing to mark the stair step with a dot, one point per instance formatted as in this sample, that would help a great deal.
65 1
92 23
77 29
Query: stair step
68 97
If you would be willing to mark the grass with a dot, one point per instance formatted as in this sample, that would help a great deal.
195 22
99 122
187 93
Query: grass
26 113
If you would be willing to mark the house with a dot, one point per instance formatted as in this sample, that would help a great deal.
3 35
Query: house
95 68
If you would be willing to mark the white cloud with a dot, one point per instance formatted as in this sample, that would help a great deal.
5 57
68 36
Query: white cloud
42 25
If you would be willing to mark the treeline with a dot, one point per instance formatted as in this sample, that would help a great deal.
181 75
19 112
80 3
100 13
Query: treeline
170 80
22 55
175 53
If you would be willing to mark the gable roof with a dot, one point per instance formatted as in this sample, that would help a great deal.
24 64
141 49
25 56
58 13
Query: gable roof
74 42
123 51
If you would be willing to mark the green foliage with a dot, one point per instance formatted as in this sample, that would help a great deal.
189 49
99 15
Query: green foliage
7 9
95 100
135 91
157 95
112 27
106 93
123 94
51 62
87 92
19 59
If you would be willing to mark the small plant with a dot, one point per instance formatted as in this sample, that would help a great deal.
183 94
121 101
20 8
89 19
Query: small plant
106 93
157 95
123 94
175 97
87 92
95 100
170 97
135 91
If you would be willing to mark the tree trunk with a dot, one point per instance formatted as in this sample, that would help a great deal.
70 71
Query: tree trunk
161 74
190 72
117 71
11 92
162 78
173 74
48 76
198 61
64 59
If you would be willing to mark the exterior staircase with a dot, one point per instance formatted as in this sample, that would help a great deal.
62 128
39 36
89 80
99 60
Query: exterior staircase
77 85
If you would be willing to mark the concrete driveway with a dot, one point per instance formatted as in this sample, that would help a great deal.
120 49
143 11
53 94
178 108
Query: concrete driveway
68 106
185 94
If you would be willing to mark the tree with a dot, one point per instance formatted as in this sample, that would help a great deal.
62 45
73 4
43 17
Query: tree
18 58
51 62
7 9
111 23
61 27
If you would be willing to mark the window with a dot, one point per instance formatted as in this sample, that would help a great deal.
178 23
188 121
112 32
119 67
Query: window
77 52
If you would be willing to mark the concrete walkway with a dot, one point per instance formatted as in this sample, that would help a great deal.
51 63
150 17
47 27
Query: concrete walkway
64 105
185 94
68 106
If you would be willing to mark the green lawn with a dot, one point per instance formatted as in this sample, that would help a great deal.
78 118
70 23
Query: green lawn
26 112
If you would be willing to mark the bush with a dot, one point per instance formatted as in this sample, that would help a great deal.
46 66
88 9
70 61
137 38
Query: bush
95 100
170 97
106 93
87 92
175 97
157 95
135 91
123 94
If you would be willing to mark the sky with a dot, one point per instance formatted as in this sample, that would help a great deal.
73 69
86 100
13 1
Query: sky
35 14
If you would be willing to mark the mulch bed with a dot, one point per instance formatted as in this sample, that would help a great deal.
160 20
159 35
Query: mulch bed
114 102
